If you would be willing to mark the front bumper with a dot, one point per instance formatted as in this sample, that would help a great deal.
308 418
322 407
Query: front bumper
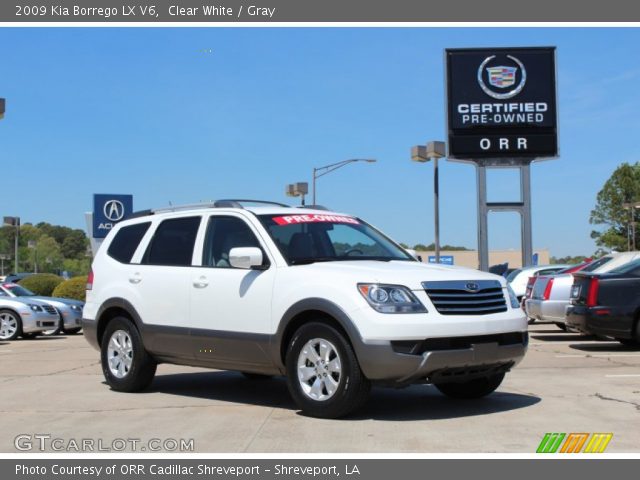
457 358
35 322
546 310
603 321
71 319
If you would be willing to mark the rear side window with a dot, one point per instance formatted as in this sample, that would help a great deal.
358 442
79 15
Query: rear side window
126 241
172 244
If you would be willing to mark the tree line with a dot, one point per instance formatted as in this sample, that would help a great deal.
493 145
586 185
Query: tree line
45 248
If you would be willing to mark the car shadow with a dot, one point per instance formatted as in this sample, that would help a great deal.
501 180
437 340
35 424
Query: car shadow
42 339
418 402
612 346
562 337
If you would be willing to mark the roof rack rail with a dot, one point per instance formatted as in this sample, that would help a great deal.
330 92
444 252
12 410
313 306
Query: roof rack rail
313 207
228 203
237 203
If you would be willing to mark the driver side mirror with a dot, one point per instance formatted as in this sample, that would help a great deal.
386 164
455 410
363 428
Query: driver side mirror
246 258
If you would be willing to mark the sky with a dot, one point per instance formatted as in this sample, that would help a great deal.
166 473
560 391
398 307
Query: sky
183 115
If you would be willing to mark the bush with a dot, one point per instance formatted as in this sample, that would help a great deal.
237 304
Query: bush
41 283
73 288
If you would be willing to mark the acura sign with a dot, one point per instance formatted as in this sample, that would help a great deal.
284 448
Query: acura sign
108 210
501 103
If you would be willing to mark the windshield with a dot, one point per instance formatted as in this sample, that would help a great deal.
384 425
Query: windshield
513 275
17 290
627 267
309 238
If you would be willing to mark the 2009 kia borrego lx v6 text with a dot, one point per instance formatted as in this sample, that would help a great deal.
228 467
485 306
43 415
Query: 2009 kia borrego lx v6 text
320 297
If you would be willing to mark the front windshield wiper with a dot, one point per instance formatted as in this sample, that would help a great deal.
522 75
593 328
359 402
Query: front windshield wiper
308 260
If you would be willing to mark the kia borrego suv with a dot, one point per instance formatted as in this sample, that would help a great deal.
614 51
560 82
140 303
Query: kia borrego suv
320 297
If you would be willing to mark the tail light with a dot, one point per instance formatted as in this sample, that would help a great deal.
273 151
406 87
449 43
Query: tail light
529 290
547 290
90 280
592 294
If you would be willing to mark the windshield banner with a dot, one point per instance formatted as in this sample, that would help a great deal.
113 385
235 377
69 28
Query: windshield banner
295 219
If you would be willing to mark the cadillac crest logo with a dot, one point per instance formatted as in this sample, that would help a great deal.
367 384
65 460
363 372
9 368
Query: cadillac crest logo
501 77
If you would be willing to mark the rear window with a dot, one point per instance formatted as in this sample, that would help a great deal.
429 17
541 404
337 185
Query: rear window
597 264
126 241
172 243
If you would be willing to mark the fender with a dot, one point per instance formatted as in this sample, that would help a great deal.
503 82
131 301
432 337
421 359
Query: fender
94 328
312 304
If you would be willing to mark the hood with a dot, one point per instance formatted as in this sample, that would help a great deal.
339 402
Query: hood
18 302
409 274
57 301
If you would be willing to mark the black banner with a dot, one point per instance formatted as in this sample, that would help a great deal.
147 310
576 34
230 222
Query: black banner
501 102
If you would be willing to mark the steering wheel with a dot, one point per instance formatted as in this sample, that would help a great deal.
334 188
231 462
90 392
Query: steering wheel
353 250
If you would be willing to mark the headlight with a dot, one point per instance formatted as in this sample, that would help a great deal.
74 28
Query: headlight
513 298
390 298
75 308
35 308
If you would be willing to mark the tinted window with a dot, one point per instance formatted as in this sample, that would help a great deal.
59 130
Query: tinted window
631 268
223 234
513 275
172 243
124 245
596 264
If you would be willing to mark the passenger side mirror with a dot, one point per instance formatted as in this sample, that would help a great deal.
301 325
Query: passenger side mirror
245 257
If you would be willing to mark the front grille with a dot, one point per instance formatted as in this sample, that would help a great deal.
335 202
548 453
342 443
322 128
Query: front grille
50 310
479 297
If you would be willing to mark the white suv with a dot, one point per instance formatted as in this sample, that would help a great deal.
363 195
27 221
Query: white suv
321 297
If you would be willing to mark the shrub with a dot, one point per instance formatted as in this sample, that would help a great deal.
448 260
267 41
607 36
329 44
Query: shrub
41 283
73 288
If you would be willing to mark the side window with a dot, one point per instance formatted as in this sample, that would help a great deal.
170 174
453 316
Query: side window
223 234
172 243
126 241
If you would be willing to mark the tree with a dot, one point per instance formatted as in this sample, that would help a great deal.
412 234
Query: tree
622 187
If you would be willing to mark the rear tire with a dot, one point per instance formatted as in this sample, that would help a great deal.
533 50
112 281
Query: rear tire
476 388
10 325
323 374
126 365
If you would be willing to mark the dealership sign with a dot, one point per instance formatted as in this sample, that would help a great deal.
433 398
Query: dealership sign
501 103
108 210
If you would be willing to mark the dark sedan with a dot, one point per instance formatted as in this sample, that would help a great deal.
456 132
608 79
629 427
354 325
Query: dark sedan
607 304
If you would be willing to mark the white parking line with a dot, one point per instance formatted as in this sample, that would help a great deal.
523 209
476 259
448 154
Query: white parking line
627 375
601 355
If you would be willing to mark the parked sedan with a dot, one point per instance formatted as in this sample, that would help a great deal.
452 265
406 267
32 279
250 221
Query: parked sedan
550 294
518 278
607 304
70 310
25 317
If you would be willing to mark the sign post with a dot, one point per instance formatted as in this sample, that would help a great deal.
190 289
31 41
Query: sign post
502 113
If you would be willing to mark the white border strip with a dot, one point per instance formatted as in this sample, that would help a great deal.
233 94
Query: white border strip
323 24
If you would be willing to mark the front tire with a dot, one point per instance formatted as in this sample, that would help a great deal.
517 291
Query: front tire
126 365
10 325
323 374
476 388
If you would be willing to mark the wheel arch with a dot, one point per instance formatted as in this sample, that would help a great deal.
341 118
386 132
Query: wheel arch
112 308
308 310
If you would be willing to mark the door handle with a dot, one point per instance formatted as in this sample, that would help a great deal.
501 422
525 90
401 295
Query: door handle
135 278
201 282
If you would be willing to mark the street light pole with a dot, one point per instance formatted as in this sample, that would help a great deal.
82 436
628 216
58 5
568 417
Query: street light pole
424 153
321 171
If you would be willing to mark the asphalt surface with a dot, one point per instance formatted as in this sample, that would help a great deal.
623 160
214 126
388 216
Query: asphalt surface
567 383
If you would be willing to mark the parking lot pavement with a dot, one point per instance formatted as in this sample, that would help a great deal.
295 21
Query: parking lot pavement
567 383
